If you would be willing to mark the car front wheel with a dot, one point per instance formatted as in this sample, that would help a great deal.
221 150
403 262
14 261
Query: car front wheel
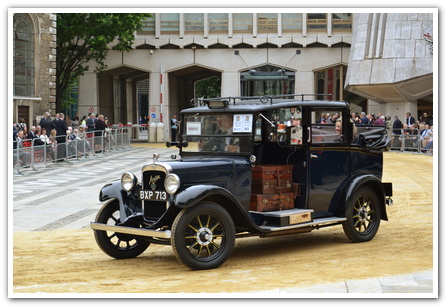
117 245
203 236
362 215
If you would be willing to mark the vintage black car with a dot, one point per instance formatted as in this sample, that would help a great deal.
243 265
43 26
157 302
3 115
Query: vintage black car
253 166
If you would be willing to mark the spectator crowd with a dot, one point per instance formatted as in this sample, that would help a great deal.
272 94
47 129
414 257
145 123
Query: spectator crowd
411 134
53 133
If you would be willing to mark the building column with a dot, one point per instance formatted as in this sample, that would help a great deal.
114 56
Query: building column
130 103
230 86
156 96
88 94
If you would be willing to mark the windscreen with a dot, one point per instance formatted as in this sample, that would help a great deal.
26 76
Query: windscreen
218 133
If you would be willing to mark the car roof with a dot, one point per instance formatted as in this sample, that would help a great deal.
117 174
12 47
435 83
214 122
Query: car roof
260 105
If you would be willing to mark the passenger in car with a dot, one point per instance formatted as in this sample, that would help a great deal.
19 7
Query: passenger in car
338 127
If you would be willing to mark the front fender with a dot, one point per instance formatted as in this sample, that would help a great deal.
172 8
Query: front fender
371 181
192 195
114 190
195 194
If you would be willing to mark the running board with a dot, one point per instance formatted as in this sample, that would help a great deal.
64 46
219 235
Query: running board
166 234
316 222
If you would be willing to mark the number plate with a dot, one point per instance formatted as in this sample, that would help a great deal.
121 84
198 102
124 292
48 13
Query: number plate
153 195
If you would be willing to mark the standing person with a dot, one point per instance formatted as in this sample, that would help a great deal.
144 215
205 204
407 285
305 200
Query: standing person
47 123
397 125
83 123
363 119
410 120
397 131
90 122
20 153
380 121
90 125
100 131
61 136
14 135
56 118
174 126
101 125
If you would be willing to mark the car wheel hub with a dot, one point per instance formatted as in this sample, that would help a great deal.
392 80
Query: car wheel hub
204 236
363 214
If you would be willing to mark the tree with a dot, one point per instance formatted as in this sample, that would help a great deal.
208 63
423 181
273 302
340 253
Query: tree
85 37
208 88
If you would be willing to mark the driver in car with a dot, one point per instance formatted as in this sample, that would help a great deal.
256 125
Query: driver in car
222 143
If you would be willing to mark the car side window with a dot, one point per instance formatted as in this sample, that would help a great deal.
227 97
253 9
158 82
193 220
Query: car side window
327 127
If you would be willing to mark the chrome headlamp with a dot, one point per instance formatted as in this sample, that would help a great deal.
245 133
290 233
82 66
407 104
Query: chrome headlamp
172 183
128 181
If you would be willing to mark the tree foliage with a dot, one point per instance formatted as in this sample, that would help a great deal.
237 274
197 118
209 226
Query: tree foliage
208 88
86 37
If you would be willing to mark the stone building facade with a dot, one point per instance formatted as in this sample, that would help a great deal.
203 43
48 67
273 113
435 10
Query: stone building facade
378 62
34 66
391 62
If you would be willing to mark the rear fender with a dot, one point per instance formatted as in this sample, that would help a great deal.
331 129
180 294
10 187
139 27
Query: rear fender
364 180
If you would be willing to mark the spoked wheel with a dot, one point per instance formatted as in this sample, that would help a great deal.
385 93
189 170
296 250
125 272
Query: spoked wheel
363 216
203 236
117 245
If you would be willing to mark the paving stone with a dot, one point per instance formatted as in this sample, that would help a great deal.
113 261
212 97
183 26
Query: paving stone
371 285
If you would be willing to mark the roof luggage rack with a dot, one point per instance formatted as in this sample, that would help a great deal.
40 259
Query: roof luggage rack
247 99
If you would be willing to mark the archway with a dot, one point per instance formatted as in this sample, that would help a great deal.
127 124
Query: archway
181 85
119 97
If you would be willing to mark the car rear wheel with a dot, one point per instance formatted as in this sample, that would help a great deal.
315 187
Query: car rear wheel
203 236
117 245
362 215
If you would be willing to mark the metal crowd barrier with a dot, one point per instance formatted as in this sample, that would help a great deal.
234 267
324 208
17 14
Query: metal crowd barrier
410 142
95 143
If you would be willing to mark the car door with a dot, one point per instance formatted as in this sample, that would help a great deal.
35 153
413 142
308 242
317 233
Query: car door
329 159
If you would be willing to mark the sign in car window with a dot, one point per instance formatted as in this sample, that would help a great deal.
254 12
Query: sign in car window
193 128
242 123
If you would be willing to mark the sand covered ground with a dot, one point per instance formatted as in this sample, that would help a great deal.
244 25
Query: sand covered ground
71 262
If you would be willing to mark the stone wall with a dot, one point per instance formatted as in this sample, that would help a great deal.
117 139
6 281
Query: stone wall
44 99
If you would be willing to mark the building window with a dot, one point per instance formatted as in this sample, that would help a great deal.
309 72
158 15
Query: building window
341 21
316 22
292 22
193 23
267 23
169 23
23 56
267 81
242 23
330 82
148 26
218 22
